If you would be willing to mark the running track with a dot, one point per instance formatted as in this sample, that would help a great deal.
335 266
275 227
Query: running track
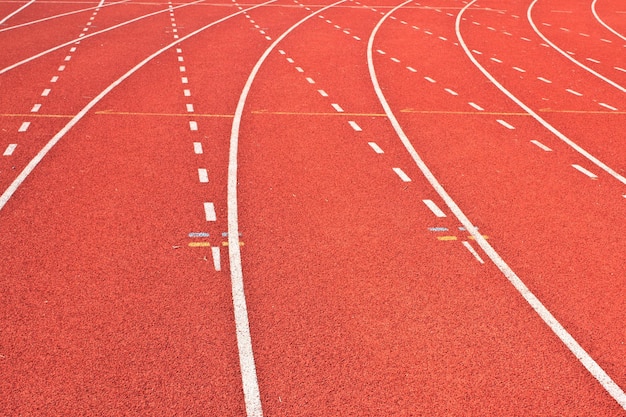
292 208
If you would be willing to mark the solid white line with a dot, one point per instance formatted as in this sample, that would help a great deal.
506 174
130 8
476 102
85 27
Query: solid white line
251 392
337 107
10 149
355 126
540 145
559 50
35 108
476 106
595 13
209 212
24 127
203 175
16 11
528 110
585 171
601 376
434 208
473 251
375 147
217 262
197 148
402 174
323 93
505 124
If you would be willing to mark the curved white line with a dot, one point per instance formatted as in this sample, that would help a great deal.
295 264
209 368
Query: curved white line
119 25
45 19
604 379
252 395
565 54
528 110
16 11
595 13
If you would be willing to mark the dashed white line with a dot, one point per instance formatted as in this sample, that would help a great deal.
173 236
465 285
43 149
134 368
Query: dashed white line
203 175
181 59
61 68
193 125
469 247
299 69
430 80
310 80
209 212
434 208
184 80
182 69
607 106
395 60
290 60
24 127
323 93
519 69
217 263
337 107
576 93
189 108
545 80
35 108
452 92
380 52
67 58
496 60
375 147
10 149
505 124
187 93
525 39
476 106
585 171
46 92
593 60
411 69
402 174
197 148
476 52
355 126
540 145
54 79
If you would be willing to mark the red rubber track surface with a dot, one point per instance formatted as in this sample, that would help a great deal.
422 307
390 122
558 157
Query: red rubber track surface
361 300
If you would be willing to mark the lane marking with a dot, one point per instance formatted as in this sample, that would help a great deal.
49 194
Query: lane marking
24 127
476 106
54 79
199 244
197 148
469 247
595 61
541 145
355 126
375 147
585 171
35 108
291 61
607 106
217 263
10 149
603 23
430 80
299 69
337 107
545 80
46 92
182 69
310 80
496 60
187 93
620 69
193 125
434 208
61 68
189 108
198 234
323 93
203 175
396 60
184 80
505 124
519 69
10 15
402 174
411 69
209 212
576 93
452 92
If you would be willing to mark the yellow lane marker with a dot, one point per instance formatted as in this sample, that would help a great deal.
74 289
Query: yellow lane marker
199 244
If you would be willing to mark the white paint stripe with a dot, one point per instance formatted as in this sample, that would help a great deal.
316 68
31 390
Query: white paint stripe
576 93
193 125
395 60
411 69
179 50
291 61
61 68
595 14
476 106
337 107
181 59
559 50
67 58
505 124
24 127
299 69
469 247
209 212
187 93
496 60
430 80
540 145
357 38
323 93
217 262
10 149
608 106
189 108
310 80
16 11
452 92
525 39
585 171
434 208
375 147
355 126
620 69
380 51
203 175
402 174
54 79
476 52
184 80
46 92
73 49
601 376
519 69
35 108
197 148
182 68
595 61
545 80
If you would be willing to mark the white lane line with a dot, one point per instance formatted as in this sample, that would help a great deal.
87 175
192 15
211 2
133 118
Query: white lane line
576 93
356 38
355 126
505 124
73 49
337 107
476 106
607 106
209 212
217 262
182 69
181 59
430 80
396 60
290 60
184 80
525 39
540 145
496 60
402 174
35 108
620 69
10 15
193 125
585 171
380 51
179 50
606 40
603 23
310 80
545 80
61 68
68 58
54 79
323 93
187 93
476 52
434 208
519 69
189 108
24 127
595 61
469 247
46 92
197 148
10 149
452 92
375 147
299 69
585 35
203 175
411 69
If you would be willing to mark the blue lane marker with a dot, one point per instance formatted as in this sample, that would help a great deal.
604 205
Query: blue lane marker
438 229
198 234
